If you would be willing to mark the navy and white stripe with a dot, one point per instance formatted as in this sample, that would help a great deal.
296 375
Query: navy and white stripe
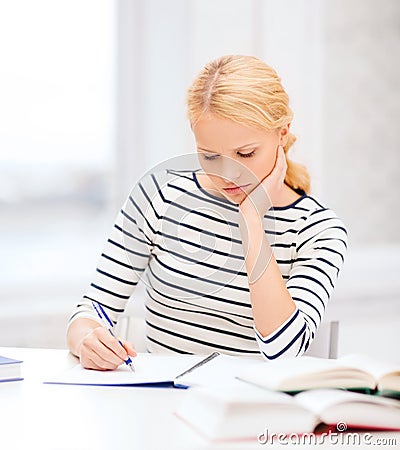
186 246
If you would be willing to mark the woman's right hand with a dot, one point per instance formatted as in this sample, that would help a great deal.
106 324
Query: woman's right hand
95 346
101 351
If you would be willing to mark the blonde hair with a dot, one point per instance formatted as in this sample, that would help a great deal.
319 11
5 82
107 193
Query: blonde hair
248 91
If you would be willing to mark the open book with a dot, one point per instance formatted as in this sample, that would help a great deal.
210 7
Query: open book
356 372
162 369
251 413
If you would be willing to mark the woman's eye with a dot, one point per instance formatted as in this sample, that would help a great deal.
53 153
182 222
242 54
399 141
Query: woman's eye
247 155
210 157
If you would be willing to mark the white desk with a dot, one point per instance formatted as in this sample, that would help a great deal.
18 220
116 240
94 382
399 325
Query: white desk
55 417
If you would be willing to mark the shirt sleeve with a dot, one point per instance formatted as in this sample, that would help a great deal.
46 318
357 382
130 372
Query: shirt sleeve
320 252
125 254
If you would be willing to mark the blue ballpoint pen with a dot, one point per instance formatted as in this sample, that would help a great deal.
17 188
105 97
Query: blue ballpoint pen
109 325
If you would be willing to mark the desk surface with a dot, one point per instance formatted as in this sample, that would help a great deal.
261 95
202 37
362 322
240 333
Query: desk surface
56 417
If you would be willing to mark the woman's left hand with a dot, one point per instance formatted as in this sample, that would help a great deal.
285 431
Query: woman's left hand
260 199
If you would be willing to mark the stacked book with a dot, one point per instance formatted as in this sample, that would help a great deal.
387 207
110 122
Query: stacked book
300 395
10 369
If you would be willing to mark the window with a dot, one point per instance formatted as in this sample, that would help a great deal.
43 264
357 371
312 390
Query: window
56 139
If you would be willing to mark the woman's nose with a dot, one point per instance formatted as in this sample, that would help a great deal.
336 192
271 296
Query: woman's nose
230 169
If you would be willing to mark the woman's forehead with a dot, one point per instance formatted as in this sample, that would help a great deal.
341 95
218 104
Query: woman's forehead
216 134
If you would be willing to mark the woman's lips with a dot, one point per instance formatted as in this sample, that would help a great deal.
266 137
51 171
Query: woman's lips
236 189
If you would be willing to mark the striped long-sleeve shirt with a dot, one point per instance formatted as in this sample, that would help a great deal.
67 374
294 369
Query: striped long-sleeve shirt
185 244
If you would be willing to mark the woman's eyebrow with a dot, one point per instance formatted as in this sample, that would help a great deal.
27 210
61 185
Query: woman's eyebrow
243 147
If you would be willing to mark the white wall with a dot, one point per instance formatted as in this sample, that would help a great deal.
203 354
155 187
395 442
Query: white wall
56 142
361 117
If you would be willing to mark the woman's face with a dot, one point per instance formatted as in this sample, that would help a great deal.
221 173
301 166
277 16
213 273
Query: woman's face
236 157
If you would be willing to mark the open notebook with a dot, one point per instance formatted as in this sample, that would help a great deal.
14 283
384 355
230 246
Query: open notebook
162 370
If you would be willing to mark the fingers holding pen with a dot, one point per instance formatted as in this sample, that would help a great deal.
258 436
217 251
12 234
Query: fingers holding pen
94 354
100 350
129 348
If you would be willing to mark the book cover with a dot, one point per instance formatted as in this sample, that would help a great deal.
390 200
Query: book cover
10 369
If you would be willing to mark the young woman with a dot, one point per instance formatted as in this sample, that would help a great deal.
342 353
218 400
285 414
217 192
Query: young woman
236 257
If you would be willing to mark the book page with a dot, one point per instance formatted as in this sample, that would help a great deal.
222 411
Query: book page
374 366
319 400
227 413
219 372
149 369
10 369
351 408
306 372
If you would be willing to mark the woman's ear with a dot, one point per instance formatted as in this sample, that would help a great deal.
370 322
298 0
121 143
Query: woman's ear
284 135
